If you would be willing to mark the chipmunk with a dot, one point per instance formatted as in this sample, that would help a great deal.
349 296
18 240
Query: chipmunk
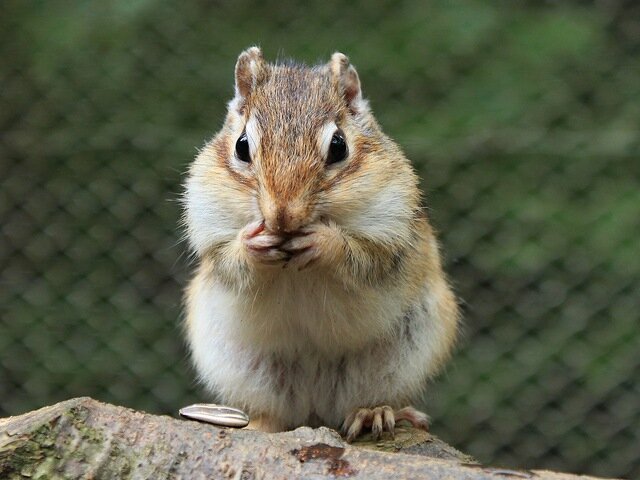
319 298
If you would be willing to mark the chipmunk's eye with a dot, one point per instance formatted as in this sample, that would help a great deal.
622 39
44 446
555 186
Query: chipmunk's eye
337 148
242 148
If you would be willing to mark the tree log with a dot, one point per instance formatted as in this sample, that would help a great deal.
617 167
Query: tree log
84 438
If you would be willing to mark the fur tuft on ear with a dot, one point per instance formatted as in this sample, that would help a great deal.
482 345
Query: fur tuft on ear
346 79
251 70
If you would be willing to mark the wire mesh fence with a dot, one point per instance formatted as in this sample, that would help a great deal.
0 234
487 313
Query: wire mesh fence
522 117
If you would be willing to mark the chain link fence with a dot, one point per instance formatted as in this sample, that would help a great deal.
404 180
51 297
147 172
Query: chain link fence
523 119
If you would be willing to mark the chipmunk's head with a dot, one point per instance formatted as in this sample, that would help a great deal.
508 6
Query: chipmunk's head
294 135
300 144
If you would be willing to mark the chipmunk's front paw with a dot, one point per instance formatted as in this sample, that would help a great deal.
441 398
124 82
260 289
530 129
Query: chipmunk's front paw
318 243
381 419
261 246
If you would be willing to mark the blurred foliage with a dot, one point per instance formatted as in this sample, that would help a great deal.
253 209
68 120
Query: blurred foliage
521 116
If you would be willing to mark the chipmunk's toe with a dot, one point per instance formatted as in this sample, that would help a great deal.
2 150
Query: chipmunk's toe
381 419
378 420
261 246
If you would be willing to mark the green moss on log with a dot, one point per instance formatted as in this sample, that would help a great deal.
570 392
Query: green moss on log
23 455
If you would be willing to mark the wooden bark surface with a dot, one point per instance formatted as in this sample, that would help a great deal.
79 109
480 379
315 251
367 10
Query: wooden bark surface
84 438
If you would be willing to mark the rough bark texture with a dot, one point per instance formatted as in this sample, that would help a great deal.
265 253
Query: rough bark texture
84 438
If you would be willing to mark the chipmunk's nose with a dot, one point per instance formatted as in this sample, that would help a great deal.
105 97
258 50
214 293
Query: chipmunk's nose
284 218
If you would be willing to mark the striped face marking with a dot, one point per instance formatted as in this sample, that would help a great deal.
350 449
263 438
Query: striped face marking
325 136
253 135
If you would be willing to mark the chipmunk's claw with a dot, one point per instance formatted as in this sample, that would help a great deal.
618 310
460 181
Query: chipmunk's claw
302 250
381 419
262 246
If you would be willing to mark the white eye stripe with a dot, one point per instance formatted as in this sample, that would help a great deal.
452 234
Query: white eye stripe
253 135
324 139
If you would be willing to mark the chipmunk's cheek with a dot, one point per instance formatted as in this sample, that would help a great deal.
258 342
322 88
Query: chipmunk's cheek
208 221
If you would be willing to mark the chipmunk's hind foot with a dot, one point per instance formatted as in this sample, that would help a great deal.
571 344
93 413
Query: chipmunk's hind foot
381 419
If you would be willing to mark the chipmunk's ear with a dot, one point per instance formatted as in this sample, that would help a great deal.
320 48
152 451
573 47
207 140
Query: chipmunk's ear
251 70
346 79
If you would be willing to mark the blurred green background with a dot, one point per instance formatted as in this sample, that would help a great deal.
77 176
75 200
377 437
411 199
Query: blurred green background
522 117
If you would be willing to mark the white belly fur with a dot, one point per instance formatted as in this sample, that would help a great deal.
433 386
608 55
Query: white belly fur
301 347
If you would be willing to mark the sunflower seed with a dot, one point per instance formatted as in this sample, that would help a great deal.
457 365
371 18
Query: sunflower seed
216 414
